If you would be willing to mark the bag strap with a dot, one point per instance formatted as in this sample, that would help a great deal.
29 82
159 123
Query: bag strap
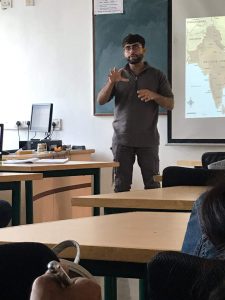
73 266
65 244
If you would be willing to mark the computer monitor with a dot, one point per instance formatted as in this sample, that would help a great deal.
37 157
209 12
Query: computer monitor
41 117
1 139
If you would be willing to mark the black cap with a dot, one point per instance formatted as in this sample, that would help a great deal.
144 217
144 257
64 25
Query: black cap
133 38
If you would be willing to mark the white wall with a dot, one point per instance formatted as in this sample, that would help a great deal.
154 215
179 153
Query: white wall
46 56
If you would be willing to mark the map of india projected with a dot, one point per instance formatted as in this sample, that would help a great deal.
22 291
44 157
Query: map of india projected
205 67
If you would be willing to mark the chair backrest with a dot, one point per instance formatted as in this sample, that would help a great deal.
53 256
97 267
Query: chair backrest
175 176
5 213
210 157
175 275
20 265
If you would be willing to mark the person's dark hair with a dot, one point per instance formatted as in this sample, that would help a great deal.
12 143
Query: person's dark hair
133 38
213 215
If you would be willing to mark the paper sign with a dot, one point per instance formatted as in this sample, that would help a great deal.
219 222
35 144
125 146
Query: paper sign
108 7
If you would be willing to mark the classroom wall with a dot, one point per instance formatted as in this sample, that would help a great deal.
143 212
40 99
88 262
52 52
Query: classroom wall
47 56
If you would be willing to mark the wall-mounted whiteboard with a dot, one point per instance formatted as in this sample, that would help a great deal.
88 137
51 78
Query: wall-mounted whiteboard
147 18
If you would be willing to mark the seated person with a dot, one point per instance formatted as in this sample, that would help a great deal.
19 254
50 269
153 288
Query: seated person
5 213
47 287
213 218
205 234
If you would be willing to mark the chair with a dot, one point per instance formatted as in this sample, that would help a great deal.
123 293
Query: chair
174 275
5 213
5 207
20 265
219 292
175 176
210 157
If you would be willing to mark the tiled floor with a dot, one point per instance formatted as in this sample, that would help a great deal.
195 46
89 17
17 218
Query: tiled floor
127 289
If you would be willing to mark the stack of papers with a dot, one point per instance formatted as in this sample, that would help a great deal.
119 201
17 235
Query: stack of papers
52 160
37 161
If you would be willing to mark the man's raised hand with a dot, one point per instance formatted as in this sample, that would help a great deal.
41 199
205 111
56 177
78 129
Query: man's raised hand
115 75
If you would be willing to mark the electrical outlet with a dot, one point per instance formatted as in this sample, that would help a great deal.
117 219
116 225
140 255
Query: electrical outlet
6 4
11 125
58 124
23 125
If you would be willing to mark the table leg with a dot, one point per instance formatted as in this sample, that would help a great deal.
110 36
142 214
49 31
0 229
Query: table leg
110 288
110 283
16 200
97 181
96 191
29 201
142 289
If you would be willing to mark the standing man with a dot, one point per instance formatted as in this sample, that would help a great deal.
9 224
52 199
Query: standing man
139 89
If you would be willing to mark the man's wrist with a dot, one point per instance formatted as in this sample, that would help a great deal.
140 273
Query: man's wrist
111 83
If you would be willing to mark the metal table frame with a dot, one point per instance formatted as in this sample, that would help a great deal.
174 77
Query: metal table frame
15 187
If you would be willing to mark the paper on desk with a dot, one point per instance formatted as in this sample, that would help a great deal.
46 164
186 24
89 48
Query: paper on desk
21 161
37 161
51 161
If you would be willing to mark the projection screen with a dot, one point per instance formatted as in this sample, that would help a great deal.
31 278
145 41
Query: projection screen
198 72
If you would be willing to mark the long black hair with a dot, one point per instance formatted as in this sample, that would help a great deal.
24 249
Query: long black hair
213 215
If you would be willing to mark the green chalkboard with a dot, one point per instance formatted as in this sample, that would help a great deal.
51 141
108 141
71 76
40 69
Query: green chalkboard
148 18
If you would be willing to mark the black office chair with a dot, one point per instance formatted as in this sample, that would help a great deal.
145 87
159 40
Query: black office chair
20 265
219 292
211 157
175 176
5 213
175 275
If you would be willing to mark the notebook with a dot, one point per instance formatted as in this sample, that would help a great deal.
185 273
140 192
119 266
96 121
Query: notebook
37 161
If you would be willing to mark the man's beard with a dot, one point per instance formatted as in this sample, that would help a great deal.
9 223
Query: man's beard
135 59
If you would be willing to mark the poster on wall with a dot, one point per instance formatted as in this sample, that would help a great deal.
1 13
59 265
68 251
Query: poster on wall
103 7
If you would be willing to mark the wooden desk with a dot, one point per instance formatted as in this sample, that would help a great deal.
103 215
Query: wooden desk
71 168
48 193
189 163
117 245
178 198
12 181
50 154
